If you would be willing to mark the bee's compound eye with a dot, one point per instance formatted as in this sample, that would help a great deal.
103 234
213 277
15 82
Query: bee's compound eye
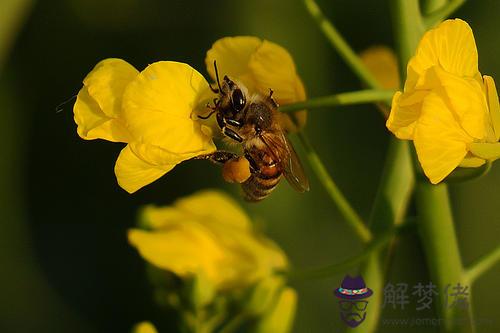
238 100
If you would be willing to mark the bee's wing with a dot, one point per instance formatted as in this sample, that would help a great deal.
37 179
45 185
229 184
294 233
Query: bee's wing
283 150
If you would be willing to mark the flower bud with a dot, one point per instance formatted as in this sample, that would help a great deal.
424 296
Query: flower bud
280 318
263 295
144 327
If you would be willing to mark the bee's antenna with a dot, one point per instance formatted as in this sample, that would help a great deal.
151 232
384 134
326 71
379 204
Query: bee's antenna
60 107
206 117
217 76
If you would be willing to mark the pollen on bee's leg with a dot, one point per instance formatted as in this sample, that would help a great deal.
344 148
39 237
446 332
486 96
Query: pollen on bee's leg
236 170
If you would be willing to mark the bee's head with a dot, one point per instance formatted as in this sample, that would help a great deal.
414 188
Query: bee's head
234 94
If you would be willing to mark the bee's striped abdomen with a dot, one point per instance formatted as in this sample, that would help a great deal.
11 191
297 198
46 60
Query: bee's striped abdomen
258 186
265 175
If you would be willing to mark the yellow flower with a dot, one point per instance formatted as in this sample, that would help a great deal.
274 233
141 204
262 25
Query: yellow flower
207 234
447 108
260 65
382 63
151 111
155 111
144 327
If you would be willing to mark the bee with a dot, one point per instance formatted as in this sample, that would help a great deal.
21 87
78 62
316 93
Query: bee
252 120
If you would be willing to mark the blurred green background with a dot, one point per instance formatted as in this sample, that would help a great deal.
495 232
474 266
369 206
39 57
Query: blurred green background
65 265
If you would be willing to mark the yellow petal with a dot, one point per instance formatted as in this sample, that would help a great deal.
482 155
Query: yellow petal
272 67
144 327
259 65
280 318
232 55
98 106
158 104
405 111
451 45
106 84
184 249
153 217
440 142
488 151
210 206
471 162
494 107
383 64
133 173
213 205
467 100
93 124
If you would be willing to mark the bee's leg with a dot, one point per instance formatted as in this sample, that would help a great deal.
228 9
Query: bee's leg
254 167
218 157
233 122
227 131
220 120
232 134
215 90
271 92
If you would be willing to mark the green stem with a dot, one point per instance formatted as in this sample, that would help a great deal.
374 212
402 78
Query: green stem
441 14
347 98
235 323
329 270
440 245
483 264
430 6
398 178
408 28
389 209
339 43
349 214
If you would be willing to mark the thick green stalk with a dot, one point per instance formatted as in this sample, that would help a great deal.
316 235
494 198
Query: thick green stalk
398 178
408 29
349 214
435 219
347 98
437 234
389 209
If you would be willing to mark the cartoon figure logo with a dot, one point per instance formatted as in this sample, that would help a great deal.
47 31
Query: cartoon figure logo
352 294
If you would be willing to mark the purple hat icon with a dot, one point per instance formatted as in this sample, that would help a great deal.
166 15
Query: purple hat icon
353 288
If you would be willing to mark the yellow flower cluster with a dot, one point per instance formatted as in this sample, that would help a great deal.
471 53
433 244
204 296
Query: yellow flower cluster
447 108
155 111
209 238
209 233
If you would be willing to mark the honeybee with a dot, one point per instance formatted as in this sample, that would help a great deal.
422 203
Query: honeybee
252 120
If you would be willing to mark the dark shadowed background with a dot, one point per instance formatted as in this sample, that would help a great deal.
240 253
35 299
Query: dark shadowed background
65 265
